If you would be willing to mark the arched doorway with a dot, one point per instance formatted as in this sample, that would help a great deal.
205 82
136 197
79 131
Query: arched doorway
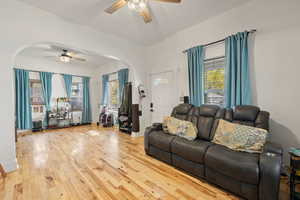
46 57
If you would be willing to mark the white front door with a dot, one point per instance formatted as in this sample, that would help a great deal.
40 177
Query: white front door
162 95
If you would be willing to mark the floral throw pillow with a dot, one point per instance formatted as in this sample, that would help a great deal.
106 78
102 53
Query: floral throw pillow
181 128
240 137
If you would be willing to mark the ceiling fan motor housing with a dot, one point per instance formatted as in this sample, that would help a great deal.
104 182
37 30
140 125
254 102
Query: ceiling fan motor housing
137 5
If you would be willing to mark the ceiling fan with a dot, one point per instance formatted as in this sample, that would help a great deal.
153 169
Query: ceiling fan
66 56
140 6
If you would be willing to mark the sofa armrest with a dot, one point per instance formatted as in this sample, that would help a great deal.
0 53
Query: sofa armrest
273 148
148 131
270 165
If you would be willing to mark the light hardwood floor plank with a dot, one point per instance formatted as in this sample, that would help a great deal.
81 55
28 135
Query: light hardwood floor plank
90 163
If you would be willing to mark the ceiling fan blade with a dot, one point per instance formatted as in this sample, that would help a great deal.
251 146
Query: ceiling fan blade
117 5
79 59
56 48
74 56
51 56
146 15
60 49
170 1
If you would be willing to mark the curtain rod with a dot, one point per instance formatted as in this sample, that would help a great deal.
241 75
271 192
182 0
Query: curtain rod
216 42
51 72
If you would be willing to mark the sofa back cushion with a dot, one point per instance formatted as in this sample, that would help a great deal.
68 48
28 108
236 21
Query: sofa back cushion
182 128
203 118
248 115
181 111
240 137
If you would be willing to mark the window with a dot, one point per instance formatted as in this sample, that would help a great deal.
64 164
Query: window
36 93
113 93
36 97
214 81
76 99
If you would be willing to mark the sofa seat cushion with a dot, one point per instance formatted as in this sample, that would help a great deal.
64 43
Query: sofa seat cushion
190 150
241 166
161 140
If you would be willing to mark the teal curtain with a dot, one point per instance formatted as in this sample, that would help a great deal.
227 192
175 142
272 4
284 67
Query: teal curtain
237 81
196 68
86 112
68 84
23 105
123 79
105 79
46 80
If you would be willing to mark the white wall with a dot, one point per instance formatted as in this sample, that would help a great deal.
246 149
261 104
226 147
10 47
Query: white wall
23 25
274 65
58 88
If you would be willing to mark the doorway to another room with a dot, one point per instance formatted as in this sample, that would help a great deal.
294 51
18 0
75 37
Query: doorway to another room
116 103
58 87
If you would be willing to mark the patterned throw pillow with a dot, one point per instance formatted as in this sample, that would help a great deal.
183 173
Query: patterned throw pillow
240 137
181 128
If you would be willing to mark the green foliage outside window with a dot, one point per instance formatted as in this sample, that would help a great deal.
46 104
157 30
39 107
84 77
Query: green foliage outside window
215 79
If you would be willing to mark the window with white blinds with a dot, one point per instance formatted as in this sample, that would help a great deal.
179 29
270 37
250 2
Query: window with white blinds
76 99
214 81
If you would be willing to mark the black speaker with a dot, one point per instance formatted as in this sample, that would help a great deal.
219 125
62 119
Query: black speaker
186 99
135 118
37 126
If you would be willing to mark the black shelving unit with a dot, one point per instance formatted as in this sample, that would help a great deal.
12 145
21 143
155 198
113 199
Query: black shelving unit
294 176
60 116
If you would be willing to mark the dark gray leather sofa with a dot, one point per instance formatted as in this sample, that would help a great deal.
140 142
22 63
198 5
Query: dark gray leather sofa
248 175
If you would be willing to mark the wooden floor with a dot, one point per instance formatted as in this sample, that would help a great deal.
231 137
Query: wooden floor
88 162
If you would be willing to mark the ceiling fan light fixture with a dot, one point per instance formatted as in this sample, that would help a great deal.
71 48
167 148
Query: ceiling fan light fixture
65 59
137 5
142 4
131 5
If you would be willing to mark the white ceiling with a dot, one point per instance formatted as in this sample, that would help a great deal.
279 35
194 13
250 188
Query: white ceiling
168 18
52 51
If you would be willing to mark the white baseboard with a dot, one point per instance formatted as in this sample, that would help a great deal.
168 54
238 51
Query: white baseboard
10 165
137 134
